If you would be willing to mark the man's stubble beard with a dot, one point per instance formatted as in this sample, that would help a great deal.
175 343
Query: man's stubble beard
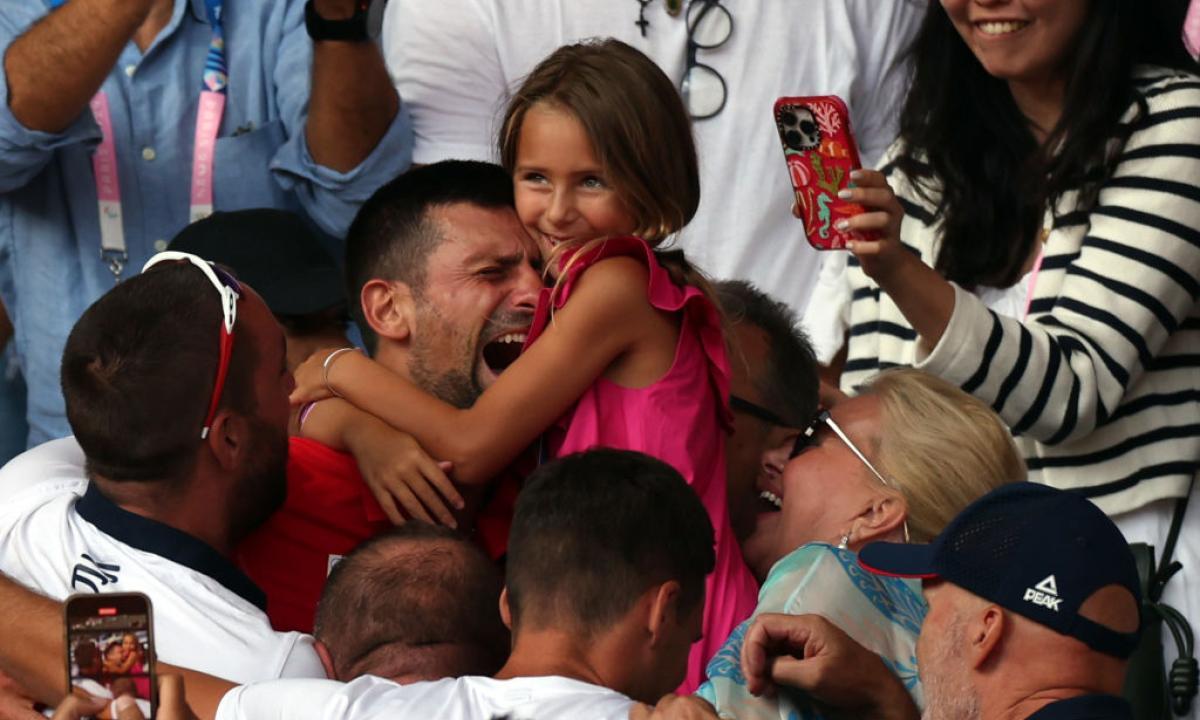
264 485
949 694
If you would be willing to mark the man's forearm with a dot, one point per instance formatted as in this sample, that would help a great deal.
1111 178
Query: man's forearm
33 652
56 67
352 103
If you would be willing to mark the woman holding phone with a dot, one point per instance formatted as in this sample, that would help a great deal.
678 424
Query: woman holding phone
1039 245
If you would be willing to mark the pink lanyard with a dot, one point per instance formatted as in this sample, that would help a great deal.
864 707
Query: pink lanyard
208 123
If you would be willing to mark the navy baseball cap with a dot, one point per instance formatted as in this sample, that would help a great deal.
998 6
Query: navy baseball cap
274 252
1035 550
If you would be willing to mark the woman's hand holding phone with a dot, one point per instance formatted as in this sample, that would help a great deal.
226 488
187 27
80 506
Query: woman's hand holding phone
883 255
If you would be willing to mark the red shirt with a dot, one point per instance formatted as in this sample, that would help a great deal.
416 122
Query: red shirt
329 511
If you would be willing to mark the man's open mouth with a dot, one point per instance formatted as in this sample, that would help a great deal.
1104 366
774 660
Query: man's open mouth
769 499
503 351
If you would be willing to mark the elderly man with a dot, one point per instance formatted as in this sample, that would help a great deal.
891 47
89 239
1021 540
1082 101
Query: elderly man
1033 613
123 120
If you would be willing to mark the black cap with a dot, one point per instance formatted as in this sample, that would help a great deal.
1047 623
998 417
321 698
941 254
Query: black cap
1035 550
274 252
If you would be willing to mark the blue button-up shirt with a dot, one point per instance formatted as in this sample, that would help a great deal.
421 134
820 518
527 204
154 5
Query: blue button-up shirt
50 264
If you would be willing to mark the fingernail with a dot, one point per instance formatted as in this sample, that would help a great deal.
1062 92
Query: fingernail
842 224
856 174
125 702
851 245
844 194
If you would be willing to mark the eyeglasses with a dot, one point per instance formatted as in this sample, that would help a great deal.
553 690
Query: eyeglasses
709 26
230 292
805 440
742 405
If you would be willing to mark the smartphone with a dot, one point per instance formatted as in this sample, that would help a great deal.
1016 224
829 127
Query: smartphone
110 649
820 153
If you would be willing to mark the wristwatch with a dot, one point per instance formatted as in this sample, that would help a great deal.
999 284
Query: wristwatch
351 29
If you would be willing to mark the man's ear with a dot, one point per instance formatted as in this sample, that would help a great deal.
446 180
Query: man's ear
229 439
326 659
663 611
388 308
985 631
505 611
881 518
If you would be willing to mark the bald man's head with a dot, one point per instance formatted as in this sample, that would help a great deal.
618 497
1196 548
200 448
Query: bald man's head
417 603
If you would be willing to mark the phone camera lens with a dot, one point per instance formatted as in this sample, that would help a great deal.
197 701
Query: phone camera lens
794 140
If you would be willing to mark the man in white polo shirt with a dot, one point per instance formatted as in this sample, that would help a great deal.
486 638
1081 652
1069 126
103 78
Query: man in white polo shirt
604 594
176 391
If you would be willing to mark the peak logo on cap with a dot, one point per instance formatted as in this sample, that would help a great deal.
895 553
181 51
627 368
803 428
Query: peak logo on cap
1044 593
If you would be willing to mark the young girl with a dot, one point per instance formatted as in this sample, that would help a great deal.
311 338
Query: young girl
620 354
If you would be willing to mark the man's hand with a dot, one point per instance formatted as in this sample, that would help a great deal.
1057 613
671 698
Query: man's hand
812 654
15 704
171 704
674 707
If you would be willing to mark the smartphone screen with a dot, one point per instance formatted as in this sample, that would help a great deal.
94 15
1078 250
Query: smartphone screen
110 649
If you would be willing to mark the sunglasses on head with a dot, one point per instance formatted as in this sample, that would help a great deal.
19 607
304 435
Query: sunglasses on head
230 292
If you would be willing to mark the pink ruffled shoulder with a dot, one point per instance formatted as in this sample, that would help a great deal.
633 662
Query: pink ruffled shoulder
664 294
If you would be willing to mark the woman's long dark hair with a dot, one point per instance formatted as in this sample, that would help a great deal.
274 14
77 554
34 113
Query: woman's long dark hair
967 144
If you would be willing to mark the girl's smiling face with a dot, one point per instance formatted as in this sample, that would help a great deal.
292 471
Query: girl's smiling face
562 192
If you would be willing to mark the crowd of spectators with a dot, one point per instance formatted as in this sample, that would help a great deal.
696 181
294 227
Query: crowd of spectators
464 359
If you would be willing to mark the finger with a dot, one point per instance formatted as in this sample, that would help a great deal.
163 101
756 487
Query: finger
388 505
434 474
127 708
766 637
431 502
866 221
797 211
869 197
864 248
407 500
74 708
172 703
640 711
865 177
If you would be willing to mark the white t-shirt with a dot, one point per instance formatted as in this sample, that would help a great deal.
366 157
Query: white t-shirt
454 62
465 698
59 536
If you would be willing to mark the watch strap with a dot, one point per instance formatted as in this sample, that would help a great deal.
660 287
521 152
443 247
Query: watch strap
351 29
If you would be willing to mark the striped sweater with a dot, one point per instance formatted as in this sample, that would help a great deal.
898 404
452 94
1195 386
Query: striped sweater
1101 382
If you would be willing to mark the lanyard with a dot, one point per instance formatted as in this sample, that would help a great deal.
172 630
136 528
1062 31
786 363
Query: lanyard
208 123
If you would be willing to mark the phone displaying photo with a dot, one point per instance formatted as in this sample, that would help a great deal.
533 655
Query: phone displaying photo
110 649
821 153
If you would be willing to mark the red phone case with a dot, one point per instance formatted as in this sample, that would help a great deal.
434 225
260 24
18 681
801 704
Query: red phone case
820 153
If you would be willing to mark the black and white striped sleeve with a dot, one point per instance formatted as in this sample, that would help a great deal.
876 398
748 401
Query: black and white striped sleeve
1135 282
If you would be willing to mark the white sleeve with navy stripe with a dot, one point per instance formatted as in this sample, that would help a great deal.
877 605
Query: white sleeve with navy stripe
59 536
1101 382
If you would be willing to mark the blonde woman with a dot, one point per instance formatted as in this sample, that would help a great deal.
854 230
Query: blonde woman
896 462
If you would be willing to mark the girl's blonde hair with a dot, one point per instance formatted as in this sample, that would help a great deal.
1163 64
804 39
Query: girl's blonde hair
942 447
639 130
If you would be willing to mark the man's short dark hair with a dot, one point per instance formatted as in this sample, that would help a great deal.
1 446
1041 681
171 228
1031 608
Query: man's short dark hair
392 236
138 371
789 382
402 597
594 530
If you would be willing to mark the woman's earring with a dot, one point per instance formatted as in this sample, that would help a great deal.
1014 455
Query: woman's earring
845 542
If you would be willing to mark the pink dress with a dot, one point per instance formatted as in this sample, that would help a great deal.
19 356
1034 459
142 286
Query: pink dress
681 419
